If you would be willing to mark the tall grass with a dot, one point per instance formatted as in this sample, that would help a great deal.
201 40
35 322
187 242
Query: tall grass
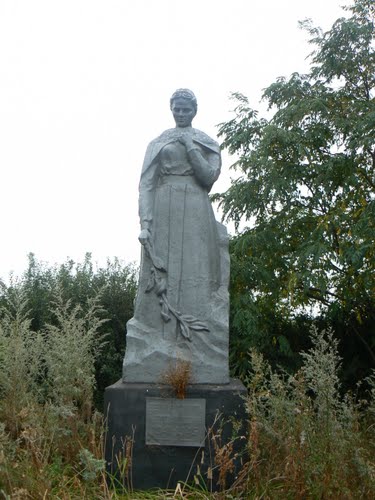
306 439
50 441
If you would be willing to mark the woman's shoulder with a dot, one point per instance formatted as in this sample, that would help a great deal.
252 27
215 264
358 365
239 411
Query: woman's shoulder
156 145
206 140
165 136
172 133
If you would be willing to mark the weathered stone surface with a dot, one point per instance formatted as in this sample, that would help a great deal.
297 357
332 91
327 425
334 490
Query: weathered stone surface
182 304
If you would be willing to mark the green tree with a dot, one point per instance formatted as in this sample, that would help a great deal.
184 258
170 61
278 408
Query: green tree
79 283
307 190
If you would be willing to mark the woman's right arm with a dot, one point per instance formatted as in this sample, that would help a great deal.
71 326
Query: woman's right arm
147 187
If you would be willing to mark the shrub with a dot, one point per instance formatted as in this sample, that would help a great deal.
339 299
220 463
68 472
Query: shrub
80 283
47 428
306 440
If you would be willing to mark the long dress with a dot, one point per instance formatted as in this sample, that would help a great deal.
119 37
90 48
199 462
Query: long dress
181 309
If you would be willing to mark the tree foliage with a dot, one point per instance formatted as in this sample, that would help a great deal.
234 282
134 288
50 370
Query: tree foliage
80 283
307 188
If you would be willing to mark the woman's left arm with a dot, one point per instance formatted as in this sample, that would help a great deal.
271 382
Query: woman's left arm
206 167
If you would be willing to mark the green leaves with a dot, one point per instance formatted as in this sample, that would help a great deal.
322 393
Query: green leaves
307 179
79 284
308 172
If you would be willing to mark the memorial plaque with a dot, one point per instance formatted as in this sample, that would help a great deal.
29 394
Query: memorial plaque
175 422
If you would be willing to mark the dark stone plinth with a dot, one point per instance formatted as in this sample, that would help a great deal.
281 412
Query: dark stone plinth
140 466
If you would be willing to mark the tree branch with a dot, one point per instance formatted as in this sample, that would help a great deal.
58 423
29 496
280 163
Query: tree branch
366 177
366 345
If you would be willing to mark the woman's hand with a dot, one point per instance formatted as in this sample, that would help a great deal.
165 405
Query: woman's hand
186 140
144 236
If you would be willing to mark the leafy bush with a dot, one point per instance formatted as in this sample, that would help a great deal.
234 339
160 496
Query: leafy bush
307 441
46 388
78 284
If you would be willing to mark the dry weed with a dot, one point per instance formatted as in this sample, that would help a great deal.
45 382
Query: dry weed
178 376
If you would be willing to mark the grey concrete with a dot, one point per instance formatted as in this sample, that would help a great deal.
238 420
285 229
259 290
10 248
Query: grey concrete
163 466
182 304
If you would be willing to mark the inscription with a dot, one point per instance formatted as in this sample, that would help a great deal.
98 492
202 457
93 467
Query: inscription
175 422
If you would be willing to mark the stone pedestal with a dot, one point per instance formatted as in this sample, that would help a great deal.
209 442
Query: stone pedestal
155 440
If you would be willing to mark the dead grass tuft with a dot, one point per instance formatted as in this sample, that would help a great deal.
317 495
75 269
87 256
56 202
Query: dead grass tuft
178 376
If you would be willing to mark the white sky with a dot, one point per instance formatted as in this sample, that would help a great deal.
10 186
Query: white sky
85 85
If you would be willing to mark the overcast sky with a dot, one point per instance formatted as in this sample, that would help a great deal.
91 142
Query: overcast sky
85 85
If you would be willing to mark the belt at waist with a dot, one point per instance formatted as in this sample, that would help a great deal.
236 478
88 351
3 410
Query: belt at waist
179 180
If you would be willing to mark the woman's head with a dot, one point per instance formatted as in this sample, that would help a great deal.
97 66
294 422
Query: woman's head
184 94
184 107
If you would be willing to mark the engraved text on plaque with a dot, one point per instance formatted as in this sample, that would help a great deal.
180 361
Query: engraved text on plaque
175 422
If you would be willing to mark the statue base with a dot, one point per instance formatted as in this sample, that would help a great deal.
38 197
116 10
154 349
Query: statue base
155 440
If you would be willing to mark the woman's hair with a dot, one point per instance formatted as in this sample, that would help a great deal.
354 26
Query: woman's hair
185 94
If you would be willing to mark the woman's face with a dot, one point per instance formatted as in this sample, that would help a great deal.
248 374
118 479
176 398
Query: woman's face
183 112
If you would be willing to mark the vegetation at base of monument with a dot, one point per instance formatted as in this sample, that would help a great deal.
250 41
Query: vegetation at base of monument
48 430
306 188
178 377
78 283
306 440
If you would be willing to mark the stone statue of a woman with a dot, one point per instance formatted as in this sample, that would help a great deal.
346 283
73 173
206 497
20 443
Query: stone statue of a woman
181 309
